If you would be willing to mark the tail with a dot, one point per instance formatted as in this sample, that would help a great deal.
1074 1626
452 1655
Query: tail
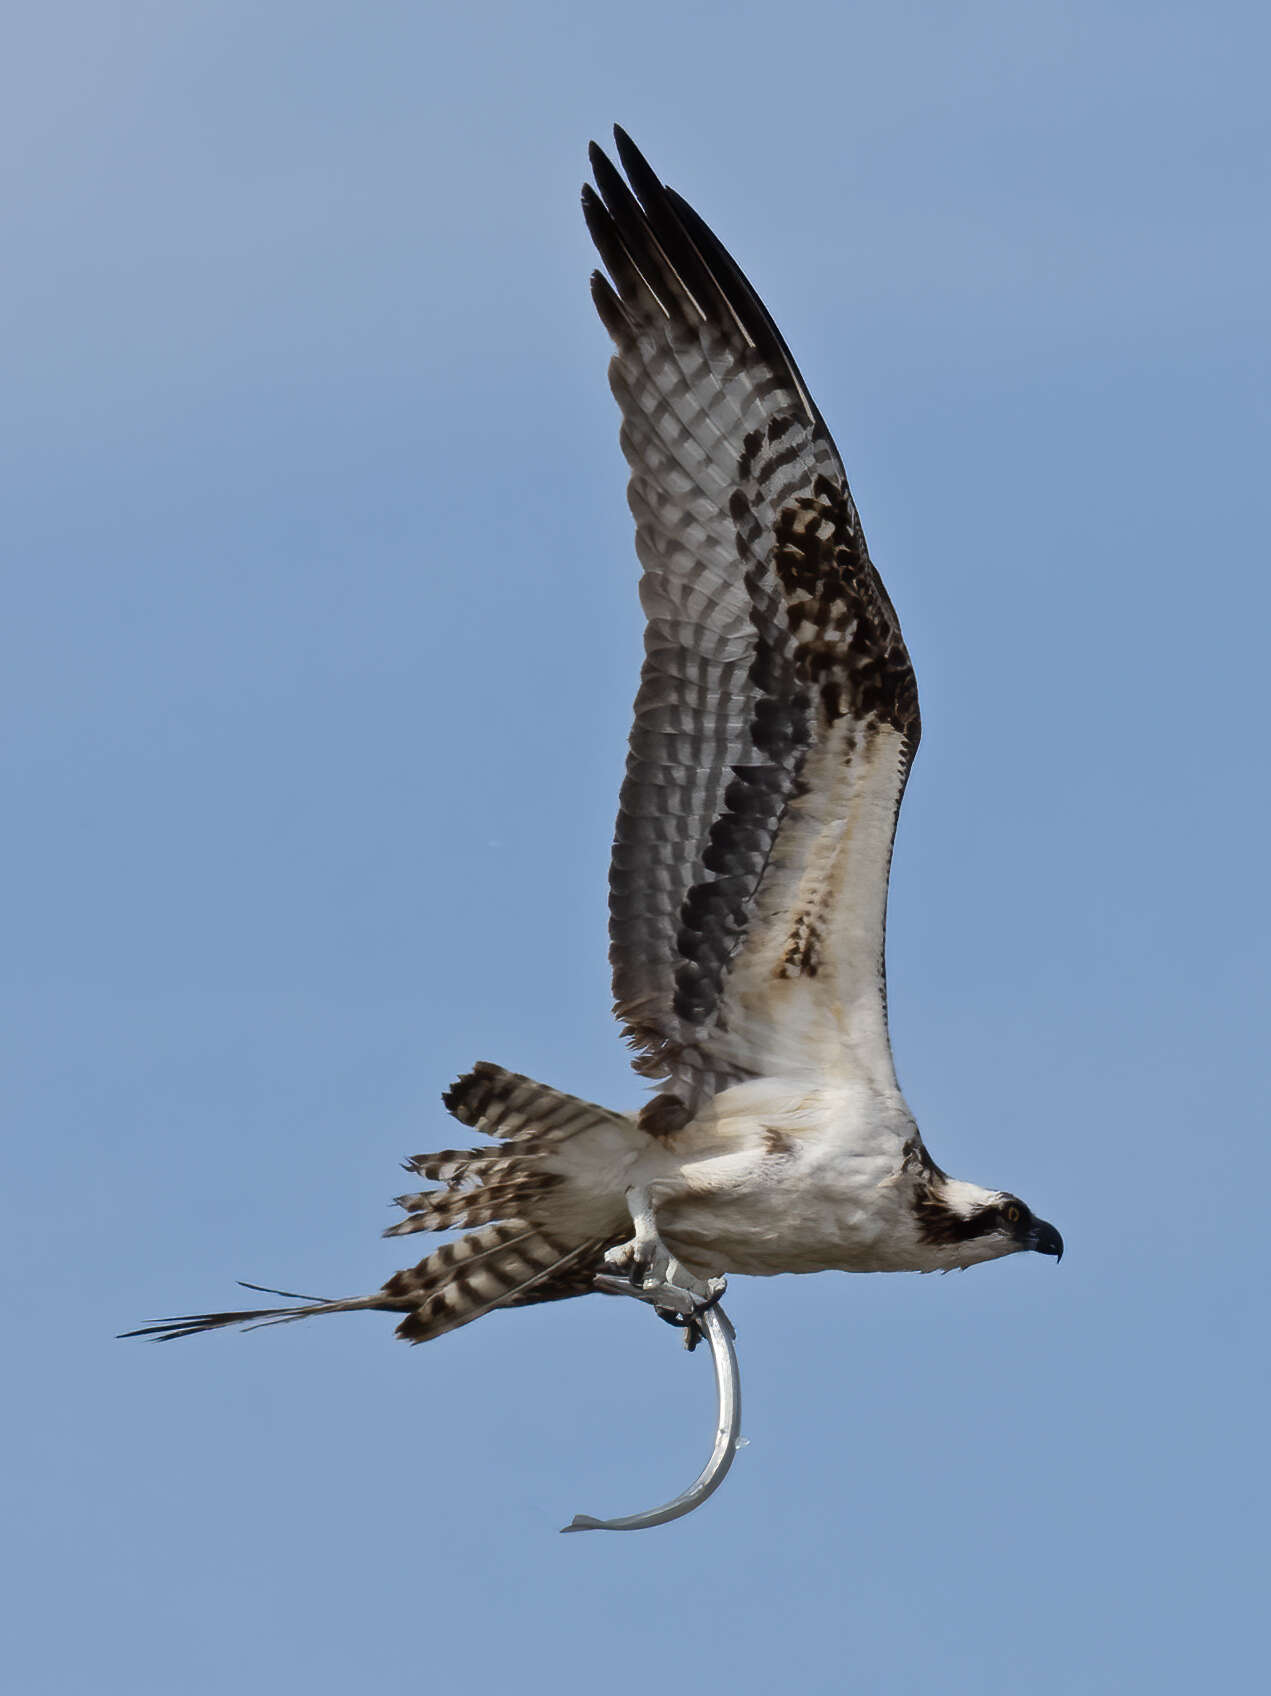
528 1247
189 1324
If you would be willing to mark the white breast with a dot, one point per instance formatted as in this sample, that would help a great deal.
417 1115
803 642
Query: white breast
776 1177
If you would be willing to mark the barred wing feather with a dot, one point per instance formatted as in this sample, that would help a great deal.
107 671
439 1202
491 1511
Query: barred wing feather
777 714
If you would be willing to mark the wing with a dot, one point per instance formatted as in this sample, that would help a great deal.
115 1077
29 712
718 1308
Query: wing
777 714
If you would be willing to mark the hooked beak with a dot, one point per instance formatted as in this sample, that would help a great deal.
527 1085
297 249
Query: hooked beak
1046 1239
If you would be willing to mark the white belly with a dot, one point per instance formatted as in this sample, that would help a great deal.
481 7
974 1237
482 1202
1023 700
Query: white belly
791 1181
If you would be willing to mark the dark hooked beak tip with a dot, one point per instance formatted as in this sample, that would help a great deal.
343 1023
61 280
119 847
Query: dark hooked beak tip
1047 1240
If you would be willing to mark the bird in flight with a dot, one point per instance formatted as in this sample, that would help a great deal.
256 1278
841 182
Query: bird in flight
775 726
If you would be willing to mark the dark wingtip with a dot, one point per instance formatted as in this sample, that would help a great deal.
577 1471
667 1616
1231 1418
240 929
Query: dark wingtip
632 157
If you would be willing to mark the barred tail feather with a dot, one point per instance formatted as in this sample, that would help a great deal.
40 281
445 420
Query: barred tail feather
455 1167
510 1106
509 1264
520 1253
526 1248
442 1210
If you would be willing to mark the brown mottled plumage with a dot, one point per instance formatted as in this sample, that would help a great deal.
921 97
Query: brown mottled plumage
775 725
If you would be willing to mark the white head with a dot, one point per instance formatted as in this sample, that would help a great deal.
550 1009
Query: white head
960 1224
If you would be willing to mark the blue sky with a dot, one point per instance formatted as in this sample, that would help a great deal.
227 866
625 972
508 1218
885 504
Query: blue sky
320 641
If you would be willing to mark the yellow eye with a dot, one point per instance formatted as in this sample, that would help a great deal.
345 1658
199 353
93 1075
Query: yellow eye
1012 1215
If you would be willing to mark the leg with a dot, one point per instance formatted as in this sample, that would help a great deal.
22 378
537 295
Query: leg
647 1269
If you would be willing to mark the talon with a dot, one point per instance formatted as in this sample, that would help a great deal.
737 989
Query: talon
653 1273
646 1269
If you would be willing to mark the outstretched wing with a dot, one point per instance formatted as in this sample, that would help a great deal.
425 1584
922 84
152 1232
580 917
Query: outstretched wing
777 714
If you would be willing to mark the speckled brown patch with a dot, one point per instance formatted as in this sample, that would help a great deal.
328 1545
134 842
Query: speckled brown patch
801 956
914 1158
848 642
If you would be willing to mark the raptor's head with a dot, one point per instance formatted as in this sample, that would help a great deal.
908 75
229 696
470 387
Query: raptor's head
962 1224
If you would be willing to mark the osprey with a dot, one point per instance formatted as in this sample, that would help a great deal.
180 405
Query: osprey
775 725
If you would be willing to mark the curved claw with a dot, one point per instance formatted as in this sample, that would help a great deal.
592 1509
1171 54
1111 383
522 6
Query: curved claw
719 1334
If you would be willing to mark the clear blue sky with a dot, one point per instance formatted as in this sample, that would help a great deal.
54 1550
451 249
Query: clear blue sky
319 644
